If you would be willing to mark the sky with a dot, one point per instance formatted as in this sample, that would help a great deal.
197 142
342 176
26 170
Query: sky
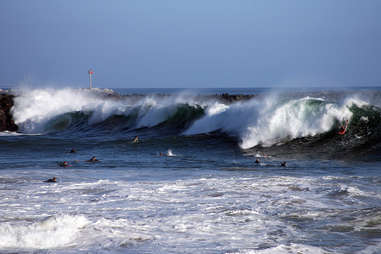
185 44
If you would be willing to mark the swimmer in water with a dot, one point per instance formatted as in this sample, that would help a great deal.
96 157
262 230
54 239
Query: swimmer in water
64 164
51 180
72 150
257 161
93 159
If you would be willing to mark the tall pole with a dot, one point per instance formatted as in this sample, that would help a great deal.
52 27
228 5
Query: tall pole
91 72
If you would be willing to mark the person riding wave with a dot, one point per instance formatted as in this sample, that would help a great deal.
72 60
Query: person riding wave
343 128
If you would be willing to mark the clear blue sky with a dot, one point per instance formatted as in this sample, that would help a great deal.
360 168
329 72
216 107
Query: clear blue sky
198 43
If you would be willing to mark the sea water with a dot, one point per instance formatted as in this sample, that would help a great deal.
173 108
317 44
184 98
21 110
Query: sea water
191 184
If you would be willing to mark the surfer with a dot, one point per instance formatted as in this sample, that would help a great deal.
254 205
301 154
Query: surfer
343 128
51 180
93 159
136 140
72 150
283 164
257 161
64 164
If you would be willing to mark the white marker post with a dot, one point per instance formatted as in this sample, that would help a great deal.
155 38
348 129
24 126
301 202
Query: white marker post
91 72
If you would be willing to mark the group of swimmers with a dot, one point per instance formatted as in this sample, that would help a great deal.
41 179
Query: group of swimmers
135 140
342 131
65 164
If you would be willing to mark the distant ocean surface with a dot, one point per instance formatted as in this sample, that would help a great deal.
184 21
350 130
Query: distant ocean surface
205 175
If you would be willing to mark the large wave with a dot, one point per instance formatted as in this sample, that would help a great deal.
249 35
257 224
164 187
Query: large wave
47 110
273 120
264 121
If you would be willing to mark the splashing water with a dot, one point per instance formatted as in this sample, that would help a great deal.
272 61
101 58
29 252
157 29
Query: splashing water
265 121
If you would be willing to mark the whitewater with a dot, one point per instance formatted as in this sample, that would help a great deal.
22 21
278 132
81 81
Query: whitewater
191 184
255 122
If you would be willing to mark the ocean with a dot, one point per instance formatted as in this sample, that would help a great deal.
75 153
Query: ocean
204 177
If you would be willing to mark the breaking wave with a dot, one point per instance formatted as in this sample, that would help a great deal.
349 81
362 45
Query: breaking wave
52 232
269 122
263 121
51 110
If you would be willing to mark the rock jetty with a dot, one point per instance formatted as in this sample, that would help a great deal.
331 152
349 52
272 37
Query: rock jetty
6 120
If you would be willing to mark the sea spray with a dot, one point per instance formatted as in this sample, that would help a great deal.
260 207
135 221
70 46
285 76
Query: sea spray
265 121
232 119
34 108
269 121
294 119
153 112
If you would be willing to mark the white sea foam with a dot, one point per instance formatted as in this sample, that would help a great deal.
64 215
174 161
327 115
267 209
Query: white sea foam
10 133
288 249
53 232
372 249
242 212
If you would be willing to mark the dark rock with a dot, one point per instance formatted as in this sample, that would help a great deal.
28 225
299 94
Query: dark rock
230 98
224 97
6 121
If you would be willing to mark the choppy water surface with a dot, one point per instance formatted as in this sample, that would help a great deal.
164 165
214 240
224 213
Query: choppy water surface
191 185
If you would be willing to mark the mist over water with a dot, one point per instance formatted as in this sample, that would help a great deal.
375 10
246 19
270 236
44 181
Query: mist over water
190 183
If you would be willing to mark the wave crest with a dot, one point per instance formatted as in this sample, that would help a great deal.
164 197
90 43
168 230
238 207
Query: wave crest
264 121
50 110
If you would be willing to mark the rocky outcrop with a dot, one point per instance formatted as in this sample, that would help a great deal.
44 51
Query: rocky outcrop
224 97
230 98
6 121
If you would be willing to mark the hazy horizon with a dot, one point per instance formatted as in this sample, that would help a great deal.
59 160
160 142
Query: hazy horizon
198 44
